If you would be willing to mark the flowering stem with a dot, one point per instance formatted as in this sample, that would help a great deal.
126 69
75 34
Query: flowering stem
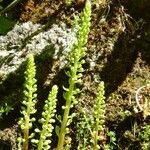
29 102
26 137
67 109
95 137
26 122
47 119
99 114
77 54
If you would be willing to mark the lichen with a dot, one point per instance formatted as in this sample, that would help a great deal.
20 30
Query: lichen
28 38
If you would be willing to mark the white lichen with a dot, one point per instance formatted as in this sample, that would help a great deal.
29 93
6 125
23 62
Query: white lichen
22 40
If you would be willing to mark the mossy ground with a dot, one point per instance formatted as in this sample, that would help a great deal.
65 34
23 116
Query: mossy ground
120 41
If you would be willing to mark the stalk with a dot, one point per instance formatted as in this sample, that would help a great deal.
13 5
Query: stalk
29 102
47 120
76 61
67 110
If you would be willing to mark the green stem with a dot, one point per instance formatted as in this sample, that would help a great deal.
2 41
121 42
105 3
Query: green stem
13 4
65 119
26 124
67 108
26 134
63 129
95 138
40 144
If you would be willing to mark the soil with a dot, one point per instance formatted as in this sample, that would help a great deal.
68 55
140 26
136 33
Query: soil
120 40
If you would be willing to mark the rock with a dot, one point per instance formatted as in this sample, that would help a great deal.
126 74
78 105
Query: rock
27 38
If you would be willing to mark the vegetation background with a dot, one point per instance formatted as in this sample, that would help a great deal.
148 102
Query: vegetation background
118 53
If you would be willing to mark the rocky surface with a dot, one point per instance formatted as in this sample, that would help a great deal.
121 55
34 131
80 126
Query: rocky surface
27 38
117 53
